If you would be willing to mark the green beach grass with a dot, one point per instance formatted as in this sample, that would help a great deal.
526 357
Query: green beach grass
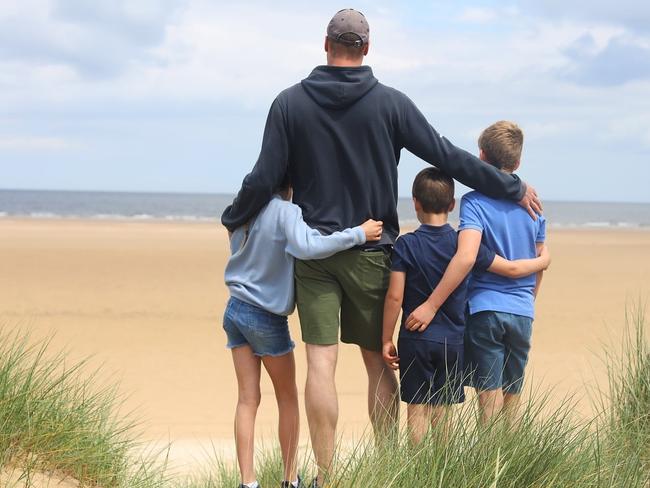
52 421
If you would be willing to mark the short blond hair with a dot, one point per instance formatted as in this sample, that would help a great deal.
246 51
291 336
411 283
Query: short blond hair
502 143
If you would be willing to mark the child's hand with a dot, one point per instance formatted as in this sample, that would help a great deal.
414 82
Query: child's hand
389 352
421 317
373 229
545 254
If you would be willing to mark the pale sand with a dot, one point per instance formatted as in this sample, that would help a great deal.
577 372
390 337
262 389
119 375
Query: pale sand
146 300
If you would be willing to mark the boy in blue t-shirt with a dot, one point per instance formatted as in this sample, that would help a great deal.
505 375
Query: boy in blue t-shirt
499 327
431 354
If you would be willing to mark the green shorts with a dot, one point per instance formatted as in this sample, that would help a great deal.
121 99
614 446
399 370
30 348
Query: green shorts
345 291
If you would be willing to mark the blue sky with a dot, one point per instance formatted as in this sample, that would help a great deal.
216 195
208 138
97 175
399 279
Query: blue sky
171 95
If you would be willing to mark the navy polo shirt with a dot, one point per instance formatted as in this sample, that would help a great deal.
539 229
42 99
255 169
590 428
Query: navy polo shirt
424 255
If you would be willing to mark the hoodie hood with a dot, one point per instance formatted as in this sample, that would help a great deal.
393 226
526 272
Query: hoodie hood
336 87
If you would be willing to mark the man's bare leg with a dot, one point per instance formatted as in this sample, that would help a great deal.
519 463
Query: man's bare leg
383 398
490 404
321 404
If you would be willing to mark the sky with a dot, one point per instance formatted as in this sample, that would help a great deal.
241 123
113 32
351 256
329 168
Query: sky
172 95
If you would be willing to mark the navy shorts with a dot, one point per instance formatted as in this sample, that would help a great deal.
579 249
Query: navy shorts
430 372
266 333
496 350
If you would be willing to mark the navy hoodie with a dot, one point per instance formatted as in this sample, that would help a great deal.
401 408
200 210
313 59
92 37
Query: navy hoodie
339 134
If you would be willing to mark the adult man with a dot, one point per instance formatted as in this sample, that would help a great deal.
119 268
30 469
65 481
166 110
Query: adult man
339 134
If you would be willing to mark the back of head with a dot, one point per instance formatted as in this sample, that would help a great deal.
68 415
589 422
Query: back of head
348 34
501 144
434 190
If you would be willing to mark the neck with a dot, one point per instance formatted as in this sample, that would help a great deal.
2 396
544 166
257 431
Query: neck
433 219
344 62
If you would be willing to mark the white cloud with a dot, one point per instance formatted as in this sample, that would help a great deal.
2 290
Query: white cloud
34 143
477 15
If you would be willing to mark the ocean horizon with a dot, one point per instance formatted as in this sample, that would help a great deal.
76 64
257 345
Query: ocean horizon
193 207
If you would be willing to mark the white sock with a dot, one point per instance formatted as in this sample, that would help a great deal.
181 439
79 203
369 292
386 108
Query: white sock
294 484
254 484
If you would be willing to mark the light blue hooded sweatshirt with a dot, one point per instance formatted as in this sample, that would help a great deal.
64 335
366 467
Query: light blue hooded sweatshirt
260 270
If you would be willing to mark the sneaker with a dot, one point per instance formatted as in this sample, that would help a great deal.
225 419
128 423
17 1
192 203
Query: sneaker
287 484
314 483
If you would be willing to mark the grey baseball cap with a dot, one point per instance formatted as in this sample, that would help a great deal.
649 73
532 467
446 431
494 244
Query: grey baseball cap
349 21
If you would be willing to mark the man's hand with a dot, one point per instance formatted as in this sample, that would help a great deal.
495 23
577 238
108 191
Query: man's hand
421 317
531 202
373 229
389 352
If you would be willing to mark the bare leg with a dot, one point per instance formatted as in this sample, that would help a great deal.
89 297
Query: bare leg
247 369
490 404
441 418
321 403
511 405
282 371
383 399
418 421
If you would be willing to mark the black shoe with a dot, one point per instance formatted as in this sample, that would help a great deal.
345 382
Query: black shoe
314 483
287 484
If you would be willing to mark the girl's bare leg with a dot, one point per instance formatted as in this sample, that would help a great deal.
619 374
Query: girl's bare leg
247 369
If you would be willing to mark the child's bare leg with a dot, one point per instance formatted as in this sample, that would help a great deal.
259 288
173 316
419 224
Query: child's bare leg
418 421
282 370
511 405
247 369
440 419
490 404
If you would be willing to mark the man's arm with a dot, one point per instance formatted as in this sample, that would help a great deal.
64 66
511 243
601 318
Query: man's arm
469 241
267 175
392 305
420 138
521 267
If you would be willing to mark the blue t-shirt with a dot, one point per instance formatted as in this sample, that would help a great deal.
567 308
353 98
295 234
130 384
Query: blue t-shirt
509 231
424 255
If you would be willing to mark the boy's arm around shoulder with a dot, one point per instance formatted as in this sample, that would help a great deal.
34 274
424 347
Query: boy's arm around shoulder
522 267
469 241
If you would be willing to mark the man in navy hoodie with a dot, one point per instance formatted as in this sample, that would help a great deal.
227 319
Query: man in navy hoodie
339 134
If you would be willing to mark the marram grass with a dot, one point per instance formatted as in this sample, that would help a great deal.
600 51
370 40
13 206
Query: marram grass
51 420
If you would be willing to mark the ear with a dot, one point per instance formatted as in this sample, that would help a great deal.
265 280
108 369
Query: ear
417 205
452 205
365 49
482 156
516 166
327 44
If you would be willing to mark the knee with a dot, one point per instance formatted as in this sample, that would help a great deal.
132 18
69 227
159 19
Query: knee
249 399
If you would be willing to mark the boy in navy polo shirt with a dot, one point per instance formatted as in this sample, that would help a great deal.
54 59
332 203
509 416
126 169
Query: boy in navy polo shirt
431 354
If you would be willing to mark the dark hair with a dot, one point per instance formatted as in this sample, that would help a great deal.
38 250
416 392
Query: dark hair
434 190
346 48
286 182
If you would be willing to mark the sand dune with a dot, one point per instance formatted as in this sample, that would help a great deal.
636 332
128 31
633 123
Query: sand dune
146 299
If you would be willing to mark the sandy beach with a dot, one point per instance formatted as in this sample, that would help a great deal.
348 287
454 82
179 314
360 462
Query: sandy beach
144 300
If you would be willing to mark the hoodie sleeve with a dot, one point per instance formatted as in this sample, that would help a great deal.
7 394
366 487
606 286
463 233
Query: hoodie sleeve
269 171
417 135
303 242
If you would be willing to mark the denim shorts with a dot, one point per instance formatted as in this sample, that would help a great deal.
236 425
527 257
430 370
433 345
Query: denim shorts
430 372
266 333
496 350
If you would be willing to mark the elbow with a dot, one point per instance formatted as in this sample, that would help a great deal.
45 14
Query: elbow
466 261
393 299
